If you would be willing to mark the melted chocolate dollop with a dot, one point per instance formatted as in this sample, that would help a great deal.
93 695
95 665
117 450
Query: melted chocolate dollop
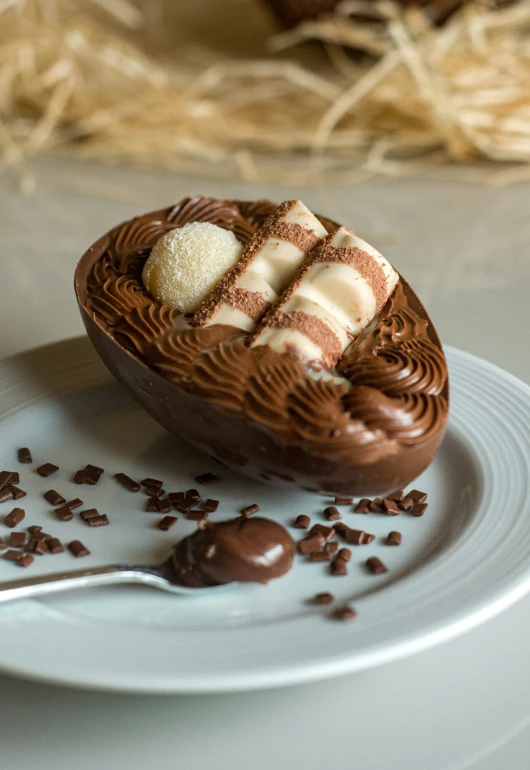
241 550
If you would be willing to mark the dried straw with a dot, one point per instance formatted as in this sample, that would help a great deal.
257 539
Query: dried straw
76 77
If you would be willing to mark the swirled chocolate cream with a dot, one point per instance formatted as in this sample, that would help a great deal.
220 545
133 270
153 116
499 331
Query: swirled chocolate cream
276 340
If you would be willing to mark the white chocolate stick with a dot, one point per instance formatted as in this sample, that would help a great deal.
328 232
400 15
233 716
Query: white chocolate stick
339 290
268 265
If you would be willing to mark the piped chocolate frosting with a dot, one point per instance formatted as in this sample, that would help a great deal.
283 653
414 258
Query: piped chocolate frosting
388 392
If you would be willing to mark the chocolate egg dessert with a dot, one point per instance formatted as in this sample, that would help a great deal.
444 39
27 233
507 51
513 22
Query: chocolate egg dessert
275 340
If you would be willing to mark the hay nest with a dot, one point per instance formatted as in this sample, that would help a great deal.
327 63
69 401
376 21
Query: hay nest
77 77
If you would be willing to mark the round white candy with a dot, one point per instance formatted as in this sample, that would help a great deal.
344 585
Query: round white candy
186 263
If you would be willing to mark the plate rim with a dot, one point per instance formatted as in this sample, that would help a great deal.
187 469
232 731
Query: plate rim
510 592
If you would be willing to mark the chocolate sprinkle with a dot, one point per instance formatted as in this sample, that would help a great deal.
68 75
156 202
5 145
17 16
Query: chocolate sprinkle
76 503
418 509
54 498
302 521
16 492
154 491
5 495
55 546
323 598
338 568
166 523
164 505
344 554
47 470
312 543
250 509
206 478
376 566
148 482
344 613
391 507
80 476
376 506
151 505
363 506
393 538
406 504
77 549
64 513
210 505
24 455
396 496
14 518
5 478
417 496
331 513
321 529
320 556
98 521
90 513
127 482
13 555
344 501
17 539
3 545
26 560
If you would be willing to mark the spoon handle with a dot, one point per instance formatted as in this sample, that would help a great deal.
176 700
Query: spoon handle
81 578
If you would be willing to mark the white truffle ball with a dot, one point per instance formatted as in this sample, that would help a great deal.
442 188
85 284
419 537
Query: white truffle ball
186 263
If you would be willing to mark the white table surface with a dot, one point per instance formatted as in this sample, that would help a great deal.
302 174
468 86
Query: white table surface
466 704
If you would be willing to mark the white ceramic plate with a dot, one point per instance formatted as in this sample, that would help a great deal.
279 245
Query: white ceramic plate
464 561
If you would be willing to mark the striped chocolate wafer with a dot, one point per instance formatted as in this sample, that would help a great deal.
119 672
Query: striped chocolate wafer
338 291
266 268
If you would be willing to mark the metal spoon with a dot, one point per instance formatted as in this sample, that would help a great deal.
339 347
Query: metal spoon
158 576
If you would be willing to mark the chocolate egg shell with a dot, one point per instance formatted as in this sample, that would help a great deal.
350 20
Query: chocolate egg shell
372 427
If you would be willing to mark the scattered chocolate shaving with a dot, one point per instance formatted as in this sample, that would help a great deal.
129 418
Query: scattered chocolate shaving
302 521
149 482
76 503
321 529
164 505
323 598
5 495
344 613
47 470
417 496
331 513
55 546
393 538
344 501
354 536
418 509
16 492
90 513
391 507
54 498
5 478
338 567
250 509
154 491
166 523
210 505
77 549
206 478
24 455
13 555
80 476
14 518
127 482
64 513
320 556
98 521
406 504
312 543
17 539
376 566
